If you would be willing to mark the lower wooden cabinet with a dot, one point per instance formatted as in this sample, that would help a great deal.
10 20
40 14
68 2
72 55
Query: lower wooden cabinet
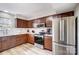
31 38
48 42
5 43
12 41
20 39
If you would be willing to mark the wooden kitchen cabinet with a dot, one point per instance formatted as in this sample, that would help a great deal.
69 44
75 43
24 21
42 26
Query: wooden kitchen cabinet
39 21
48 43
24 38
20 39
48 23
18 23
31 38
30 24
43 20
7 42
12 41
23 23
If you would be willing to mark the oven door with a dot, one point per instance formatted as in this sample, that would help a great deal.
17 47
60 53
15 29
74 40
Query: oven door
39 40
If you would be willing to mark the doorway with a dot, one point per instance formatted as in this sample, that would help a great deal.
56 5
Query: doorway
76 36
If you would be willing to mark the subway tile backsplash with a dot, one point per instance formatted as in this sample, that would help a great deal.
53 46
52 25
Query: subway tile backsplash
17 31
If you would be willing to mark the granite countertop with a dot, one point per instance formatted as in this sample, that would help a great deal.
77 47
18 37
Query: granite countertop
18 33
10 35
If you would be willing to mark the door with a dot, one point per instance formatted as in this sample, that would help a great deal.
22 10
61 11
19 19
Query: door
71 30
68 34
76 39
59 49
62 21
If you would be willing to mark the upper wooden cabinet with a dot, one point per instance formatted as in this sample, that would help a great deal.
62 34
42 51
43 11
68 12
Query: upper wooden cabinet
40 20
30 24
23 23
48 23
44 20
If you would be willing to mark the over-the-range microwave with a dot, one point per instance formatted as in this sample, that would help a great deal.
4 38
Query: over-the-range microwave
37 25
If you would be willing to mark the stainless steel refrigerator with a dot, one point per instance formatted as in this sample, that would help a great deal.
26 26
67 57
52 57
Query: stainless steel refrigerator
64 36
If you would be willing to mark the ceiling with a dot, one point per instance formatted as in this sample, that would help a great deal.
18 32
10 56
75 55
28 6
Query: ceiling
35 10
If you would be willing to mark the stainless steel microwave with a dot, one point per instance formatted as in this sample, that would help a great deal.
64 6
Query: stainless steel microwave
37 25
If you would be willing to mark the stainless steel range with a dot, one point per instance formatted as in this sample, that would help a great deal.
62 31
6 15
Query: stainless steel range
39 41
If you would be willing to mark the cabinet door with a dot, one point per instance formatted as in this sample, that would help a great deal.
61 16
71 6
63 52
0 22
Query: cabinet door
12 41
5 43
22 23
48 23
19 23
20 39
42 20
24 37
48 42
31 38
30 24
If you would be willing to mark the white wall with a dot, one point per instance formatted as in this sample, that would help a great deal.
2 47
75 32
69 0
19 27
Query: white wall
77 15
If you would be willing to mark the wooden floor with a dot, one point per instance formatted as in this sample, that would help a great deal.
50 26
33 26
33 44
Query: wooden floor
26 49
